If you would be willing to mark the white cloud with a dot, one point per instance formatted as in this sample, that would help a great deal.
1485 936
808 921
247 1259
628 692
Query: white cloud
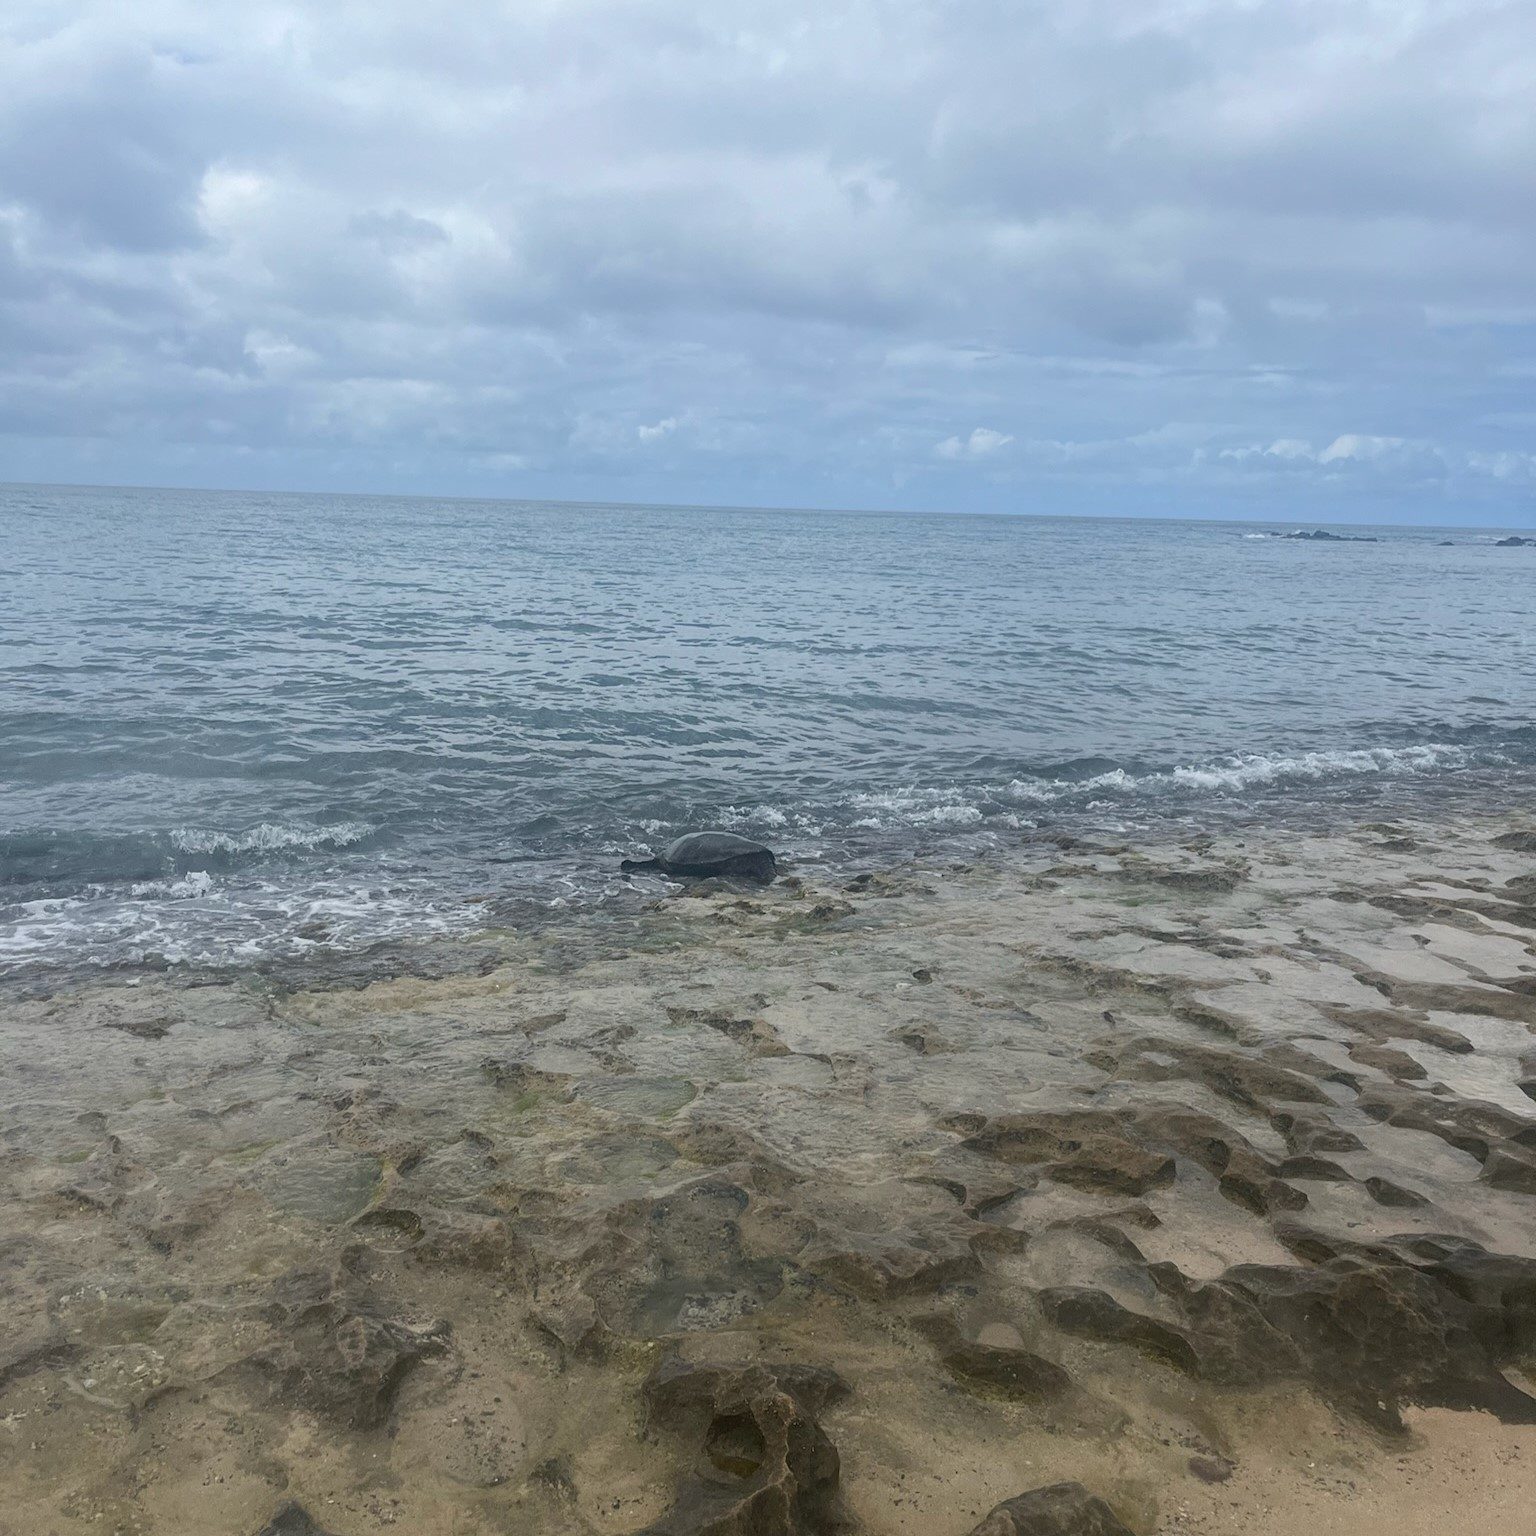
321 234
1361 447
981 444
663 428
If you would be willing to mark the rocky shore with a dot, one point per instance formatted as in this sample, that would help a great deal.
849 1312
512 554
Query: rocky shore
1179 1187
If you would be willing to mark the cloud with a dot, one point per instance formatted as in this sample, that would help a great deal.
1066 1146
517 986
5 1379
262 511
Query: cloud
981 444
305 242
1361 447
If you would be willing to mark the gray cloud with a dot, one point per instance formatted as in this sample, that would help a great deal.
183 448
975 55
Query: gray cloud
959 253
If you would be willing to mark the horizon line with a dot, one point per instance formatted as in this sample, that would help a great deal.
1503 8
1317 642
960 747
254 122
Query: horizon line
719 506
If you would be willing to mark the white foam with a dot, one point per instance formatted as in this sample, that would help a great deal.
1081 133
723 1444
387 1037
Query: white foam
1249 770
271 837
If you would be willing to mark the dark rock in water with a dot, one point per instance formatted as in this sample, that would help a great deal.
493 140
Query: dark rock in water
1000 1368
1469 1125
766 1466
1063 1509
1084 1148
1514 541
1413 1319
1385 1192
1511 1168
1516 842
1322 536
711 855
1384 1058
1211 1469
335 1354
292 1520
1095 1314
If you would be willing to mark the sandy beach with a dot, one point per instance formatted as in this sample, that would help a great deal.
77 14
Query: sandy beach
1200 1172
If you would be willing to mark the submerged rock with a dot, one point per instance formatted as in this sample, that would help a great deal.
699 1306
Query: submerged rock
765 1466
336 1354
1063 1509
292 1519
1422 1320
997 1367
1385 1192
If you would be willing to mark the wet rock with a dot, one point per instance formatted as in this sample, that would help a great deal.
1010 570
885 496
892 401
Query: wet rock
569 1318
336 1353
676 1263
977 1190
1017 1373
1519 841
529 1083
1380 1025
292 1519
1511 1168
1487 1001
1385 1192
1084 1148
1471 1125
922 1038
1211 1469
1383 1058
22 1358
1369 1327
765 1465
1243 1080
1251 1181
1114 1165
1095 1314
1305 1166
142 1029
1063 1509
756 1036
1211 880
907 1259
1243 1174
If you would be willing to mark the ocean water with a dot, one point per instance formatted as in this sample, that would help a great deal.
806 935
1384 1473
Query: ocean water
237 726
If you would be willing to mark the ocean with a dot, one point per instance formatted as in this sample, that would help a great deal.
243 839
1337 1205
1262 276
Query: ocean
237 726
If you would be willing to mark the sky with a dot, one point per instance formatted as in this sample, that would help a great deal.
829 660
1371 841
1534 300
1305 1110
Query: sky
1247 258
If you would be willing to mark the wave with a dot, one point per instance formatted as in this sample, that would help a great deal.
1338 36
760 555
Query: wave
1088 786
1248 770
271 837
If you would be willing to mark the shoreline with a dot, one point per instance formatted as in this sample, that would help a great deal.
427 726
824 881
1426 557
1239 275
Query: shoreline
1169 1167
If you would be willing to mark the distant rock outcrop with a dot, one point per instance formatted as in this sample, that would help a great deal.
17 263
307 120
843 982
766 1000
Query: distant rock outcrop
1322 536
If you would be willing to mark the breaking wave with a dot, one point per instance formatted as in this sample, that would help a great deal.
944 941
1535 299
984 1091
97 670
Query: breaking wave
1247 770
271 837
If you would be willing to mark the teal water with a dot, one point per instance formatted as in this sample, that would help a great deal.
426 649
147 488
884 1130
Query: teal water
236 725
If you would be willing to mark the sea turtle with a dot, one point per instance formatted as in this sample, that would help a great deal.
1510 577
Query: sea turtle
701 855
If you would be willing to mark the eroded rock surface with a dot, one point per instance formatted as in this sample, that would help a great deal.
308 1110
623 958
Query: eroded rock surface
765 1466
1139 1166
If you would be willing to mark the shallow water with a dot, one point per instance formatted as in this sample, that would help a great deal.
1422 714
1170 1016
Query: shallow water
233 725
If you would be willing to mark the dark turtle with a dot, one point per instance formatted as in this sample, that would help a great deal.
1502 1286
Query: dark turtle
702 855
